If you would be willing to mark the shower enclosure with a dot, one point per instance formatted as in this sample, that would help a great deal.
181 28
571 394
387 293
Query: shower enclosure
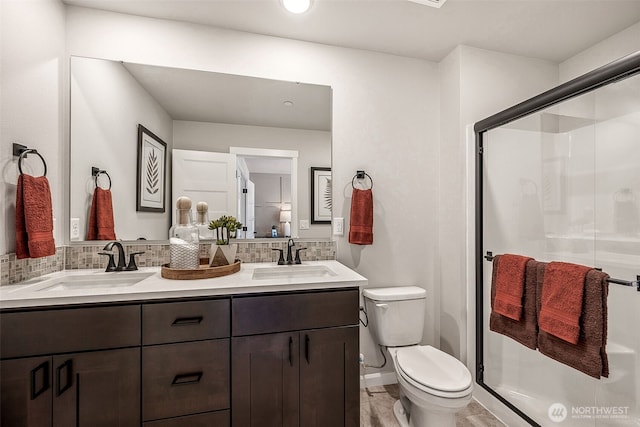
558 179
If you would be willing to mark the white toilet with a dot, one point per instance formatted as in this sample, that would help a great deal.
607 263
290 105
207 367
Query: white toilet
433 385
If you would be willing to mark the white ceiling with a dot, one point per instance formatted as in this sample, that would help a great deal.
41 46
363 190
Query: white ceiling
553 30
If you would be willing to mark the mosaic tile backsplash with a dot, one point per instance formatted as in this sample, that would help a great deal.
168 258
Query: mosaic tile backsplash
86 256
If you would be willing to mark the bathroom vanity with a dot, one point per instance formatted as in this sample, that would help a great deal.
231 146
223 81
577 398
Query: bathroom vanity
277 350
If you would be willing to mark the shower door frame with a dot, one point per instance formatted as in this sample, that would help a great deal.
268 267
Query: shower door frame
616 70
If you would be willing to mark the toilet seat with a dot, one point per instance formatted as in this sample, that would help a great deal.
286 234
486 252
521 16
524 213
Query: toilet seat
434 371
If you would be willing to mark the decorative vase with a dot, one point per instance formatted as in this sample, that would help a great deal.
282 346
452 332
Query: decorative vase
183 238
222 254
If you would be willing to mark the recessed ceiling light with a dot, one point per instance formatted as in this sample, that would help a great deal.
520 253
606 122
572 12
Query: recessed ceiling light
288 104
297 6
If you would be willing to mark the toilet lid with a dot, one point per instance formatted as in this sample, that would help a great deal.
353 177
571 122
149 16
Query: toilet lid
433 368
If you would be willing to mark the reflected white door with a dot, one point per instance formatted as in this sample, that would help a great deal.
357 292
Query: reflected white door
205 177
251 210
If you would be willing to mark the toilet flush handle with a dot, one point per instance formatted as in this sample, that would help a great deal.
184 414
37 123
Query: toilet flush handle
383 306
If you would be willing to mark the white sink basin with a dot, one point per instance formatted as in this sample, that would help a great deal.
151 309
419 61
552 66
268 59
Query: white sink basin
292 272
93 281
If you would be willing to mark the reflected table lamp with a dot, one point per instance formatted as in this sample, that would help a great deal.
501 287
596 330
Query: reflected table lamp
285 216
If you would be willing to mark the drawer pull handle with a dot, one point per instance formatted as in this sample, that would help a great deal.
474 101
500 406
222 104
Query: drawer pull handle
68 367
44 366
306 347
183 321
183 379
290 351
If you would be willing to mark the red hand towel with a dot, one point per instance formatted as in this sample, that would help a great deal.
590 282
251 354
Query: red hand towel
561 302
525 330
34 218
101 226
509 284
361 220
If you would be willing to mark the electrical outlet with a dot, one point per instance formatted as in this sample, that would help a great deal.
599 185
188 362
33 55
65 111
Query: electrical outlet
75 229
338 226
304 224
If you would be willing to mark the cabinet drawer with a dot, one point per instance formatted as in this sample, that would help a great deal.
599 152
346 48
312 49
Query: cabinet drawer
186 378
213 419
278 313
66 330
185 321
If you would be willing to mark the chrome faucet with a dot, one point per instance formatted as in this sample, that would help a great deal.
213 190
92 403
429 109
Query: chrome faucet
111 266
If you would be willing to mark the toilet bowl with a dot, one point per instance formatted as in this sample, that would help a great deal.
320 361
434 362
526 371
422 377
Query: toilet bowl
433 384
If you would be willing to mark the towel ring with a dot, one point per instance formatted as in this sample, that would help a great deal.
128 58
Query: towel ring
361 175
96 173
24 153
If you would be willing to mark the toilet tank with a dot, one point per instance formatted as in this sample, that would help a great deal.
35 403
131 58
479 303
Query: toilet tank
396 315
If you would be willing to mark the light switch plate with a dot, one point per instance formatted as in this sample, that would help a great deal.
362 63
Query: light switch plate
304 224
75 229
338 226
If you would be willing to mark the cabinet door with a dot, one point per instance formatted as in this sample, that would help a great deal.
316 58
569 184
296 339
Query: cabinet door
329 378
265 377
25 392
98 389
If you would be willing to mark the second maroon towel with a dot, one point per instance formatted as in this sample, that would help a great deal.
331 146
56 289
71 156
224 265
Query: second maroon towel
589 354
101 216
361 219
561 300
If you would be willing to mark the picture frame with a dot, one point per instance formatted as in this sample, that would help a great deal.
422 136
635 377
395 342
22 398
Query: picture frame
151 172
321 197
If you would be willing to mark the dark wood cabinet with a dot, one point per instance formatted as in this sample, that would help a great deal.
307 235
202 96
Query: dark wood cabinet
186 363
79 380
304 377
25 392
329 377
265 373
270 360
97 389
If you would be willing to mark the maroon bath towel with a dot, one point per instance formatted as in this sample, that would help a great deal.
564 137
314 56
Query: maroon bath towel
361 220
524 330
561 300
34 218
589 354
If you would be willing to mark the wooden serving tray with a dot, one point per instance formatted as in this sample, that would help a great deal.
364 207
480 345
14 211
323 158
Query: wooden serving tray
204 272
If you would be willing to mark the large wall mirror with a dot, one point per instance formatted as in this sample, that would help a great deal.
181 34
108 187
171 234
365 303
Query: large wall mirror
272 131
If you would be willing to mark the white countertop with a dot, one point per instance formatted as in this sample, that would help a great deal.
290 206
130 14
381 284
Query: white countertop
40 292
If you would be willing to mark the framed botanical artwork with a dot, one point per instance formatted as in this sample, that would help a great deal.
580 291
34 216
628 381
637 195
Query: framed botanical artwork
152 160
321 197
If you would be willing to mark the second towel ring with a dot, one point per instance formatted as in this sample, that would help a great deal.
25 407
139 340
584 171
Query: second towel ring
361 175
95 172
24 153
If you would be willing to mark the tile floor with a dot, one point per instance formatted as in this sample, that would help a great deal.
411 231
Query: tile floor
376 410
